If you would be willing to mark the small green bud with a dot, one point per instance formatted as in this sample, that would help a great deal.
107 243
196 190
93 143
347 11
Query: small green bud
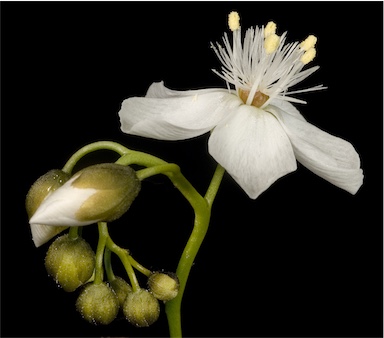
164 286
102 192
43 187
70 262
98 304
141 308
121 288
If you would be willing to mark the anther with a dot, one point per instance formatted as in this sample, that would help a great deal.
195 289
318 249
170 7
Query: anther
308 56
269 29
233 21
271 43
309 42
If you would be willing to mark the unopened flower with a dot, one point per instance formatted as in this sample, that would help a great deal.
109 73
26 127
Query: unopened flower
256 133
70 262
102 192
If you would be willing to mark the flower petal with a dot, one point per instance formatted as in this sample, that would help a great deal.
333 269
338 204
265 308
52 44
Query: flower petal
159 91
177 117
43 233
253 147
287 107
328 156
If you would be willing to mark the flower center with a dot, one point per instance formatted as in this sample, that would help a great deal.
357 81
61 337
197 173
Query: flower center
258 99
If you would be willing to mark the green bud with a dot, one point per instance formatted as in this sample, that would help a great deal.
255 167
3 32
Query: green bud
98 304
141 308
116 188
70 262
164 286
43 187
121 288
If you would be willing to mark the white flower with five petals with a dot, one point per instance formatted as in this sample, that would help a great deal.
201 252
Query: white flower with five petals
257 135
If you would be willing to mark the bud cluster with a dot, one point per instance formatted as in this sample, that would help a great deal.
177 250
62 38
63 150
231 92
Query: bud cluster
99 193
100 303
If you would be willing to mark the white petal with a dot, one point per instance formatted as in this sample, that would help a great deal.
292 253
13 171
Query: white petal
253 147
328 156
158 90
287 107
175 118
43 233
60 207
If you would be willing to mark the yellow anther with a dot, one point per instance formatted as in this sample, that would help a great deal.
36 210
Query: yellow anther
271 43
269 29
233 21
309 42
308 56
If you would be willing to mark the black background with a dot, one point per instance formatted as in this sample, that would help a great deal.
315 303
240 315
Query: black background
303 260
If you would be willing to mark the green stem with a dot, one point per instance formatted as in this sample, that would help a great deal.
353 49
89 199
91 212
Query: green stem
103 236
73 232
124 257
202 218
108 265
139 267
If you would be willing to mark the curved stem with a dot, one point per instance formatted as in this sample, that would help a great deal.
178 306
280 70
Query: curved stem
202 219
101 145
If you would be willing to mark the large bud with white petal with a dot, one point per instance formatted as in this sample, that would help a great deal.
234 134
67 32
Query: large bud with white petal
98 304
70 262
102 192
39 191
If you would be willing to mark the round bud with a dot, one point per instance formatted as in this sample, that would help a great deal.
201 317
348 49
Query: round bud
70 262
43 186
121 288
163 286
98 304
141 308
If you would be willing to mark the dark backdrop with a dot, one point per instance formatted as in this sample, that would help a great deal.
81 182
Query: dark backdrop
303 260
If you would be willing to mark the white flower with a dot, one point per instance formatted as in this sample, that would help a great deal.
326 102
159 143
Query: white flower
257 134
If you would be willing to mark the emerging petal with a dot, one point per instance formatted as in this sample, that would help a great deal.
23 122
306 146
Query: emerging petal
176 117
43 233
61 206
328 156
253 147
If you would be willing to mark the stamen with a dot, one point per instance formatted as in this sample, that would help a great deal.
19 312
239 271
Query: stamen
233 21
271 43
308 56
269 29
309 42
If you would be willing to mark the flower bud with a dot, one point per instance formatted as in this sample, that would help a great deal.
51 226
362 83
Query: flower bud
102 192
70 262
98 304
163 286
42 188
141 308
121 288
